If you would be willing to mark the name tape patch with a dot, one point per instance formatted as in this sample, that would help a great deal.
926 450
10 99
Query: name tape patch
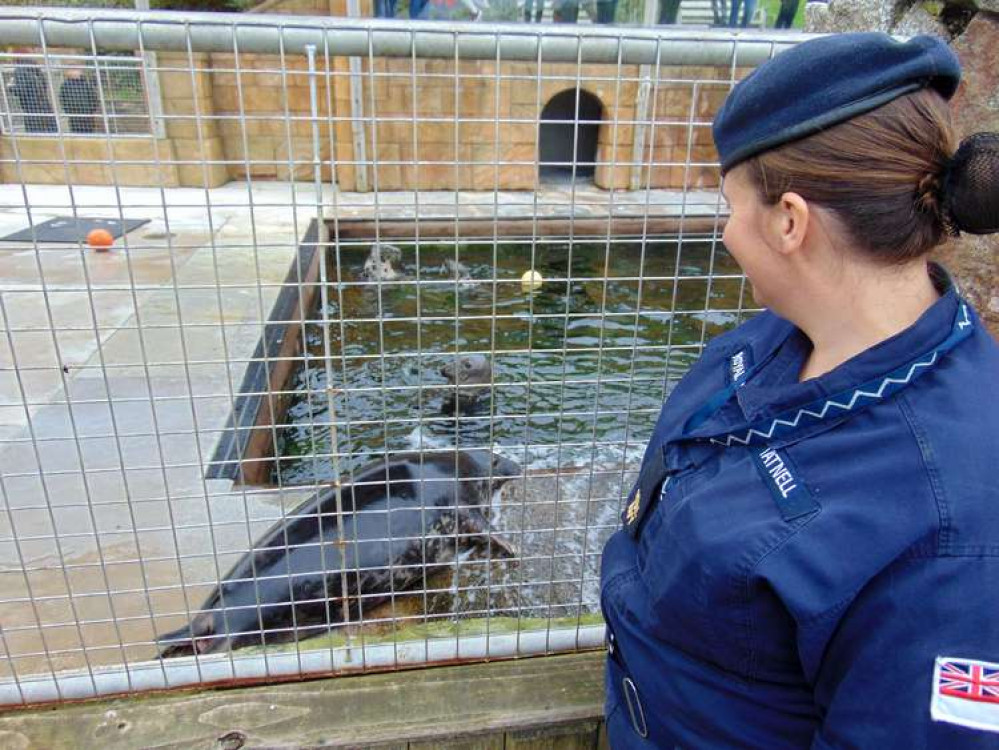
966 692
739 364
782 478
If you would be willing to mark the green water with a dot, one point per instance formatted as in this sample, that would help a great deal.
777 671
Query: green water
580 366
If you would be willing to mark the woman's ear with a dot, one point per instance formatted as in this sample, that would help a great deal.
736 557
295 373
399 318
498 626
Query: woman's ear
790 222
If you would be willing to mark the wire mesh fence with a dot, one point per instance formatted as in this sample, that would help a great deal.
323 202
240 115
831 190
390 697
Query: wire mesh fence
367 371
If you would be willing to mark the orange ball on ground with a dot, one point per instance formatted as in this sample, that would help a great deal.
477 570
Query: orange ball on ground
100 239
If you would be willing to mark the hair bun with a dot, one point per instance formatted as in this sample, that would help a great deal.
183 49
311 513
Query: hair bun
971 186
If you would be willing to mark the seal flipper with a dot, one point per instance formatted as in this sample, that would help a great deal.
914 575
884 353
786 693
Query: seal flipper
472 523
505 546
196 638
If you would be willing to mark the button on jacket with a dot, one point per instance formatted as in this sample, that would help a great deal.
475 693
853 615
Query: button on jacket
809 589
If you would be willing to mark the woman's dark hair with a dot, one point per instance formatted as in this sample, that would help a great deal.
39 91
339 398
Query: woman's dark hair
890 177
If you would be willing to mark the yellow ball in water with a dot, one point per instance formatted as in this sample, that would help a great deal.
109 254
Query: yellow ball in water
531 280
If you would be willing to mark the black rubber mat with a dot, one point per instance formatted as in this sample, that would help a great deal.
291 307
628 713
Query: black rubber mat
70 229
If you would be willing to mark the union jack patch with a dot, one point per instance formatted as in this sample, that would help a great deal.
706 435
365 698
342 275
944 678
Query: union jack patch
966 692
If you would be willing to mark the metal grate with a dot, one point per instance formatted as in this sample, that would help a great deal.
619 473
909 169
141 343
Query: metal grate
73 94
343 212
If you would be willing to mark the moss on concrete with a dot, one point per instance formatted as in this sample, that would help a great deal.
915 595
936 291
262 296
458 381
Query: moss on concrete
432 630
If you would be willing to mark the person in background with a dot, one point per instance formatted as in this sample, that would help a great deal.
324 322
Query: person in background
446 10
669 10
606 10
748 7
30 89
534 6
79 101
565 11
788 10
809 557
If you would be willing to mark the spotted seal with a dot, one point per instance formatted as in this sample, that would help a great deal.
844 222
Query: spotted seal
455 269
382 263
404 520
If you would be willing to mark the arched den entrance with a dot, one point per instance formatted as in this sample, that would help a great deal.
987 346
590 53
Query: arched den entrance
568 134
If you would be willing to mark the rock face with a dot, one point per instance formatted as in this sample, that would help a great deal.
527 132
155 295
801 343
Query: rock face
976 105
945 18
849 15
974 261
918 20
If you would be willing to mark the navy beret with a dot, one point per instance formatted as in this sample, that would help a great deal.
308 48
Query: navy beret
825 81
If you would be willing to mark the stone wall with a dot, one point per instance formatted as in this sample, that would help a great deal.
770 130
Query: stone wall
262 112
398 128
397 133
185 156
254 120
188 109
89 161
976 108
445 119
685 102
972 29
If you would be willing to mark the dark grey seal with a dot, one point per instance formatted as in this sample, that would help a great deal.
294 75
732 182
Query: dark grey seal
466 371
403 522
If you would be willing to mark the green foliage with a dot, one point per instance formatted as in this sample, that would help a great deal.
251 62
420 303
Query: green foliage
630 11
773 10
232 6
502 11
124 82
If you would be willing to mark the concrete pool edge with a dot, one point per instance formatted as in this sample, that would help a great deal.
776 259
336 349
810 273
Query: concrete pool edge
229 669
556 227
242 451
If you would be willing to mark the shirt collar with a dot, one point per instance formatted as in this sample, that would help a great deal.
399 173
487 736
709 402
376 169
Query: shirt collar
775 387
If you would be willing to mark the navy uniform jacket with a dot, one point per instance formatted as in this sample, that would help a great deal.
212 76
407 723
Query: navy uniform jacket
836 586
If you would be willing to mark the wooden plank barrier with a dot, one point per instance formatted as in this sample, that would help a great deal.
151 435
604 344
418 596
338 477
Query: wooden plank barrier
543 703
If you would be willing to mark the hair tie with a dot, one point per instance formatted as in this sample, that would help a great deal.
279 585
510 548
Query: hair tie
928 193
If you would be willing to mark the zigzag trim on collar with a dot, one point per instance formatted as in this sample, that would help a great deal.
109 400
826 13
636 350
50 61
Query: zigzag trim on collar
828 405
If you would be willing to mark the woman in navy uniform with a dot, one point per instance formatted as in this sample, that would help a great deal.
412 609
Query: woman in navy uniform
810 556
